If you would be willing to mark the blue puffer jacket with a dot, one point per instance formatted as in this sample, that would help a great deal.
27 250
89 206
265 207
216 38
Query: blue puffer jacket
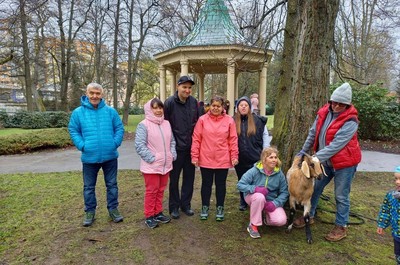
96 132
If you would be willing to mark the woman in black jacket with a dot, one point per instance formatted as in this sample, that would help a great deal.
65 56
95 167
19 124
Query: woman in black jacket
253 137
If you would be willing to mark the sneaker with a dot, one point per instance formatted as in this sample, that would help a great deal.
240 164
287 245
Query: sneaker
161 218
116 216
337 233
89 219
253 231
151 222
242 207
299 222
204 213
220 213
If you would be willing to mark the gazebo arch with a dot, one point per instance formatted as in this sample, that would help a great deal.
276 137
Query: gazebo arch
215 46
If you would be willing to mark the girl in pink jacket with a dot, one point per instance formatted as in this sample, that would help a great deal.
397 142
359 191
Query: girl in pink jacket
214 150
155 144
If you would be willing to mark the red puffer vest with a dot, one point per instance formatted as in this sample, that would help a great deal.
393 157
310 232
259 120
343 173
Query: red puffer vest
350 155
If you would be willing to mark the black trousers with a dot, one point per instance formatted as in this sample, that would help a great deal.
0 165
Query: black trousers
183 164
207 178
240 170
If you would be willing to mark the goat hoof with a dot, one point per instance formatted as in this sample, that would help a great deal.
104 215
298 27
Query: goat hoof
309 241
288 230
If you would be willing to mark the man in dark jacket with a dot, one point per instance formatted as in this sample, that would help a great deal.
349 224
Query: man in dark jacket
181 110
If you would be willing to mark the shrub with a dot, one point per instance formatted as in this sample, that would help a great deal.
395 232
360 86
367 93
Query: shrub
3 119
35 120
37 140
378 113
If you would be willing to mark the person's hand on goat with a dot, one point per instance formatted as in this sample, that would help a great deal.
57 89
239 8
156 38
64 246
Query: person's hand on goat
261 190
269 207
315 159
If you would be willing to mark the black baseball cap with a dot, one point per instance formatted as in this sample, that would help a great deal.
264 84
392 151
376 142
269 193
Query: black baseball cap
185 79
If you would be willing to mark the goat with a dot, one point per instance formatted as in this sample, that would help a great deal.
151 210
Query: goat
301 177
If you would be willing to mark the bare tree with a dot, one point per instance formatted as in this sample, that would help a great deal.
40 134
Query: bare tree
365 42
304 80
26 52
66 44
148 19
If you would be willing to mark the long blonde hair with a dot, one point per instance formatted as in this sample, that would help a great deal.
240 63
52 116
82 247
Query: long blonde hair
266 152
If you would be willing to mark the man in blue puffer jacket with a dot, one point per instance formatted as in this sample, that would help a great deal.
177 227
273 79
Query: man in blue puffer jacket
97 131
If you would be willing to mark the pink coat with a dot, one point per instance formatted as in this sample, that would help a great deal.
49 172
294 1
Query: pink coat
154 143
215 141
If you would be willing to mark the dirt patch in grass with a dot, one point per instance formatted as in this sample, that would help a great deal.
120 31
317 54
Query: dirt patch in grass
41 216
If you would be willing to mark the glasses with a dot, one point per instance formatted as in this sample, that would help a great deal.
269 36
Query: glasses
333 103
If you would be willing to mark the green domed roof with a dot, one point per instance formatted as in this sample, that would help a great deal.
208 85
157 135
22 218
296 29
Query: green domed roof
214 27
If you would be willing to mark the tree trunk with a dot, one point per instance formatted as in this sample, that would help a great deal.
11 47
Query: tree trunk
304 82
25 47
115 58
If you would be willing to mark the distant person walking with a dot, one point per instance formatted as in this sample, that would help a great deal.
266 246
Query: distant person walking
182 112
155 144
97 131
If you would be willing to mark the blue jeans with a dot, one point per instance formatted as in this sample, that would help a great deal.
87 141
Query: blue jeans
342 180
90 171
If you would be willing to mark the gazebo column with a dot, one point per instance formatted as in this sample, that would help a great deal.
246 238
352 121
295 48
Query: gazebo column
236 96
230 90
162 83
184 67
172 81
262 91
200 86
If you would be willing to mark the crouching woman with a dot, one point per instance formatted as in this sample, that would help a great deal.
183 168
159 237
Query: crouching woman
265 189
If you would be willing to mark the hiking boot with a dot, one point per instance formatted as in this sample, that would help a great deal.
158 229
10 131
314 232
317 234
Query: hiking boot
337 233
151 222
220 213
116 216
253 231
89 219
161 218
204 213
175 214
299 222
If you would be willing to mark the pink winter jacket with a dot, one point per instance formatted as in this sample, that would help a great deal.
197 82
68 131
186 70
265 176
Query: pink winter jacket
154 143
215 141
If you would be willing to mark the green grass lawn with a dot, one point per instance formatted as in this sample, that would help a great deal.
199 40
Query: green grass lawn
41 217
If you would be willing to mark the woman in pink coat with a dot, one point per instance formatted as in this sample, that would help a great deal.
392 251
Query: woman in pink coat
214 150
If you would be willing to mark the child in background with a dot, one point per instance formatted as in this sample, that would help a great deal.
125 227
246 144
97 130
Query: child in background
155 144
389 214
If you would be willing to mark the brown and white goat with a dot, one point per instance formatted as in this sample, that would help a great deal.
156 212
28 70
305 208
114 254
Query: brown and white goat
301 177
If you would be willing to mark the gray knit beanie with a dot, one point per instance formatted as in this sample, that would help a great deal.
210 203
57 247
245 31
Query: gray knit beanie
342 94
241 99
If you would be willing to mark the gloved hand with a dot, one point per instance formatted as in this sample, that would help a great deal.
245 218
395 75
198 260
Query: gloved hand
269 207
302 152
315 159
261 190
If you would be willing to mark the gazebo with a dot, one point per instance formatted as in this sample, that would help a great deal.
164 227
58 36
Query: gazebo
215 46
